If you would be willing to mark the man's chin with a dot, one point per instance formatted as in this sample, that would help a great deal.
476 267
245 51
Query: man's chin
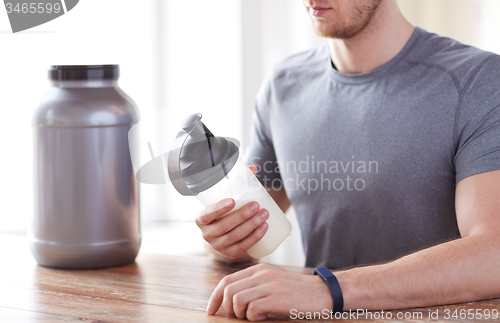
328 31
321 28
325 33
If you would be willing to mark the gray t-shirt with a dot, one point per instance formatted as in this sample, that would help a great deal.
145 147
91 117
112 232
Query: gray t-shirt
370 161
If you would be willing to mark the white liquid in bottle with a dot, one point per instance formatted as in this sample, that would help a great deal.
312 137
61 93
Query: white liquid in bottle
241 185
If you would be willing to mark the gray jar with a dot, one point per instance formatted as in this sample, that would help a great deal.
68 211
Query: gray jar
86 206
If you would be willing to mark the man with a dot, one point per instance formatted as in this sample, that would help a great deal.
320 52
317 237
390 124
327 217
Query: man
423 220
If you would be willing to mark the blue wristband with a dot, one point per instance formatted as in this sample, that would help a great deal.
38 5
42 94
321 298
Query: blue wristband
334 286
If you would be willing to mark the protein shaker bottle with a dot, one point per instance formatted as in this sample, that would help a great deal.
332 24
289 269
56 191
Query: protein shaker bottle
212 169
86 210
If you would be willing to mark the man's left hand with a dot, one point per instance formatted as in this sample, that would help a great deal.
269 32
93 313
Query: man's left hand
253 292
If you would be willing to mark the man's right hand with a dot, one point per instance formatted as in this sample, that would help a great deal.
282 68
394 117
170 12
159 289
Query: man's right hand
236 232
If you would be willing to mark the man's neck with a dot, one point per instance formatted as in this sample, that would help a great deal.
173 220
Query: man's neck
380 41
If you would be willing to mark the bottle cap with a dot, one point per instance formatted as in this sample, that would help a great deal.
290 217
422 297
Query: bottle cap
198 160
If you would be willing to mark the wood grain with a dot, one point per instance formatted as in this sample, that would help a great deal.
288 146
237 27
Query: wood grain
157 288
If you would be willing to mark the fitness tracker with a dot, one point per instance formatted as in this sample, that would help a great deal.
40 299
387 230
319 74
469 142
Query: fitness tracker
334 286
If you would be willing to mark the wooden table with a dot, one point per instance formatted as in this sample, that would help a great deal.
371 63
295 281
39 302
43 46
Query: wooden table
157 288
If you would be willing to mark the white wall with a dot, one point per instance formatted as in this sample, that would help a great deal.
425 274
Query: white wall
473 22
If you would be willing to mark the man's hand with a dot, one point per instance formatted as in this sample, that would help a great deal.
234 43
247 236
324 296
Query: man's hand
238 231
253 292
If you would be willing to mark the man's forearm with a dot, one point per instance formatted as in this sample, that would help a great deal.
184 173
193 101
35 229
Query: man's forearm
458 271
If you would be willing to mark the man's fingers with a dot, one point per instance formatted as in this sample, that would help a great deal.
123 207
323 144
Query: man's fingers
244 229
212 212
229 222
253 168
242 298
257 310
216 298
233 289
248 242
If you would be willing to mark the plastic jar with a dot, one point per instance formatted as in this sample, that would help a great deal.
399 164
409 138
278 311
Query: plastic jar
86 198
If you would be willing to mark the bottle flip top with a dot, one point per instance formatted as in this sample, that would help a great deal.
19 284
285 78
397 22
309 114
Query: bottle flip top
198 160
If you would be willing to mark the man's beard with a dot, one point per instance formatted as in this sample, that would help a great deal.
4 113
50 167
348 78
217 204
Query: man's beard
351 23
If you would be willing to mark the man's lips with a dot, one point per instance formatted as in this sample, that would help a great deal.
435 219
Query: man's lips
318 11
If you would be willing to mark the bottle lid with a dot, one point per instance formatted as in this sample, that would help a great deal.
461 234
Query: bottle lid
84 72
198 160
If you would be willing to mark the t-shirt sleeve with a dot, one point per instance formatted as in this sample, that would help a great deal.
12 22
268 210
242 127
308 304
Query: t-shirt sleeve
478 122
260 151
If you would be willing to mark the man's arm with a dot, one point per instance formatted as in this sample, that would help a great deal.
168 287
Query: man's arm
461 270
457 271
279 196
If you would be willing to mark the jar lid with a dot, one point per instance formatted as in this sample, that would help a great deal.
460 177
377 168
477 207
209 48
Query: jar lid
198 160
83 72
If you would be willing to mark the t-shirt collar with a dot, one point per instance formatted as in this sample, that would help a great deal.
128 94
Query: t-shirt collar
378 72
